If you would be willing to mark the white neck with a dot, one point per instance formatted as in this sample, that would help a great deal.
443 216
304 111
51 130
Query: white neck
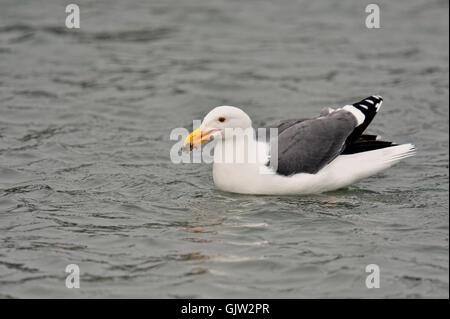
237 160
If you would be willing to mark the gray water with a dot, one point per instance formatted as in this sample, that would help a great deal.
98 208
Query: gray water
86 176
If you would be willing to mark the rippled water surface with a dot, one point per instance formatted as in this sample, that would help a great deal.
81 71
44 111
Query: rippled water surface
85 172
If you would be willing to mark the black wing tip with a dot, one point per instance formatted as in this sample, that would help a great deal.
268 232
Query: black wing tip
369 105
364 145
369 108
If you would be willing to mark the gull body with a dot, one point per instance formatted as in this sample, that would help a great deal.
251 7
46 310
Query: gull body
309 160
257 178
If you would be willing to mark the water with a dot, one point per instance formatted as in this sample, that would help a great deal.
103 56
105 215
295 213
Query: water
85 173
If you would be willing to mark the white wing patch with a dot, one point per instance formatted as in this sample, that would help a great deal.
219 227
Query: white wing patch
356 113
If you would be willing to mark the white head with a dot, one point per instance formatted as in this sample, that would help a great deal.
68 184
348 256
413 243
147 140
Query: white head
215 123
222 117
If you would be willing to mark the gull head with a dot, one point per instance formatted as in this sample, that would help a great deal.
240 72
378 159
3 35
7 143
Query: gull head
216 122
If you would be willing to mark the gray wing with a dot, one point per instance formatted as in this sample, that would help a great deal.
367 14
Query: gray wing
282 126
307 145
285 124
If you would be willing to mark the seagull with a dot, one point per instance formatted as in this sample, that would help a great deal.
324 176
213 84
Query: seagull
306 156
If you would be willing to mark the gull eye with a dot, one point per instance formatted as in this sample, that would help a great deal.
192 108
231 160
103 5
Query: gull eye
222 119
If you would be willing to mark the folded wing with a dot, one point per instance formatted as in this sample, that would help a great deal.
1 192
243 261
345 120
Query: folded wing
307 145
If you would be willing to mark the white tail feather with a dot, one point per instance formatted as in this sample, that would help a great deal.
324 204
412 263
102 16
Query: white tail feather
348 169
397 153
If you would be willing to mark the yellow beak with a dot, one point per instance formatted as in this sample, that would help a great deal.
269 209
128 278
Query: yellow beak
197 137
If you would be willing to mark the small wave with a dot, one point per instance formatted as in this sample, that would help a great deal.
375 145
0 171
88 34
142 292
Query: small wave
138 35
